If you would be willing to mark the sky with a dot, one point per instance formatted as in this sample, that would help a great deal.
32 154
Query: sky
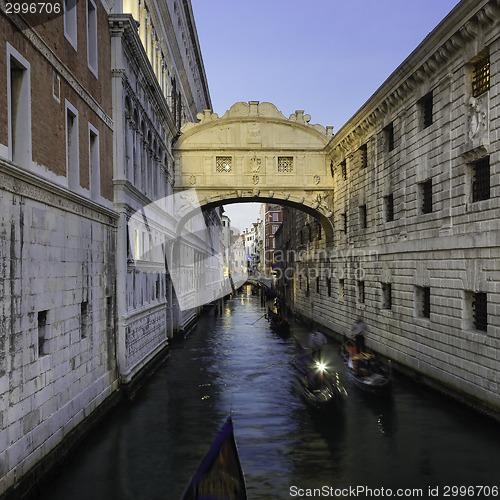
326 57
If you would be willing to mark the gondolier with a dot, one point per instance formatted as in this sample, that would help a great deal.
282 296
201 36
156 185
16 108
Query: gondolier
359 330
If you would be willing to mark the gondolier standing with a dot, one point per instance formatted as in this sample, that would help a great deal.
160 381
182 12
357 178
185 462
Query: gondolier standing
359 330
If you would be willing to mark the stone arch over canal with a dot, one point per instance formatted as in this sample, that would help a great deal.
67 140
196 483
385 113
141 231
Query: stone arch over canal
253 153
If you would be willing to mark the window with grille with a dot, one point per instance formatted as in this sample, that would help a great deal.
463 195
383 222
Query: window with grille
389 136
343 167
318 230
361 292
389 207
343 218
329 286
342 289
362 217
423 302
223 164
285 164
42 333
363 156
480 311
426 108
426 194
307 286
481 76
386 296
481 180
317 284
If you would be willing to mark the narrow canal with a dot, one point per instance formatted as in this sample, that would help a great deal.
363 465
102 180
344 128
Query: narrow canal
148 450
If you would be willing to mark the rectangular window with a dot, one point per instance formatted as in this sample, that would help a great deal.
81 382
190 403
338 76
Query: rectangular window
72 152
307 286
343 218
317 284
19 107
363 156
318 231
275 228
481 180
426 196
389 137
480 311
223 164
42 333
92 36
343 167
425 106
285 164
423 302
275 217
481 76
110 321
389 207
329 286
386 296
94 166
70 24
84 319
362 217
361 292
342 289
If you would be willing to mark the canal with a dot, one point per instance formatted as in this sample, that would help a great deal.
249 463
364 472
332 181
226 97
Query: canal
149 447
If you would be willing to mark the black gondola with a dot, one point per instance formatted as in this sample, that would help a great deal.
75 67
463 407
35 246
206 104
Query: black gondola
219 475
278 323
367 371
319 387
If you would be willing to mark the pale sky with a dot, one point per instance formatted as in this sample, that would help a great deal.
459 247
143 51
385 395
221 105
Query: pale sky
326 57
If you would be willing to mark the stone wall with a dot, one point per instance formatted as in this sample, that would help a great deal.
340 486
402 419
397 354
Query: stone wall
416 247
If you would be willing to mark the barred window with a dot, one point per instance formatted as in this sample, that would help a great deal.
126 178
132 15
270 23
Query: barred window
343 166
329 286
363 156
426 107
480 311
343 218
317 284
361 292
342 289
285 164
481 180
481 76
223 164
423 302
426 193
307 286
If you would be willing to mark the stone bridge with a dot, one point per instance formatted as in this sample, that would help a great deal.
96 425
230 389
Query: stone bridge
254 153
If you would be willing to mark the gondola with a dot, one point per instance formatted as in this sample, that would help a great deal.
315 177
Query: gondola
319 387
278 323
367 371
219 475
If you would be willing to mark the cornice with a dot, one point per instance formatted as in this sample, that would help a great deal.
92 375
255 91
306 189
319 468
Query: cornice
461 26
24 183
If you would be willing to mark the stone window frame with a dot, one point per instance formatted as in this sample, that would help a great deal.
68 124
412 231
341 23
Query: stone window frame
94 162
342 289
72 147
422 302
18 107
425 196
285 165
386 296
92 39
478 190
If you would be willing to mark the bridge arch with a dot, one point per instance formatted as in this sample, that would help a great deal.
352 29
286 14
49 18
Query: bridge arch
254 153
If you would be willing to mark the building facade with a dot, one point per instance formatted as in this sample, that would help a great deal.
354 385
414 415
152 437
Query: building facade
416 203
90 104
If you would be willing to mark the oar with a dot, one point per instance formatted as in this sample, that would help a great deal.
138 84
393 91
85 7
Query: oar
258 319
